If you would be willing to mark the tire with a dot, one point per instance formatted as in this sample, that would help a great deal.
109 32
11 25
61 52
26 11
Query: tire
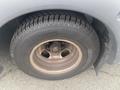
54 25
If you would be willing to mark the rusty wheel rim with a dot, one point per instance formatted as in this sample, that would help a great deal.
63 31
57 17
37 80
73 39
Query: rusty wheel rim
56 56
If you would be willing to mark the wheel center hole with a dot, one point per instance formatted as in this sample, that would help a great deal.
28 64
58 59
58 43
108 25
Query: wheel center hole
65 53
45 54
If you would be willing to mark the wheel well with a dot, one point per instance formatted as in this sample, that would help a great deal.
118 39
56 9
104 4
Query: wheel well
105 37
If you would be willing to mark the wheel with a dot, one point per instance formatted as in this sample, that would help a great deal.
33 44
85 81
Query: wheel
54 45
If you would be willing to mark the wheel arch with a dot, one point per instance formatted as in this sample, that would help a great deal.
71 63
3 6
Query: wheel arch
107 36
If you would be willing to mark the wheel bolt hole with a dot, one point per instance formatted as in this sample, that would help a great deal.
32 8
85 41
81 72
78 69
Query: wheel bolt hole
45 54
65 53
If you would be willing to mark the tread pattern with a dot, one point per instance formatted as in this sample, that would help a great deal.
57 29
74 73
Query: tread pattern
48 16
43 19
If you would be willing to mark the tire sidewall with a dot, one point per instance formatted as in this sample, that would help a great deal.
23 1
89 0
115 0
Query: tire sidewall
39 33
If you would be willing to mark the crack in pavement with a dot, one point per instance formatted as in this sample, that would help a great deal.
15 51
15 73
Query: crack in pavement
113 75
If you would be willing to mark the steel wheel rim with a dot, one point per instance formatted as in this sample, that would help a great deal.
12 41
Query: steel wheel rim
56 63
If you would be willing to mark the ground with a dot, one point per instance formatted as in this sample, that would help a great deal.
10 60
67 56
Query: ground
11 78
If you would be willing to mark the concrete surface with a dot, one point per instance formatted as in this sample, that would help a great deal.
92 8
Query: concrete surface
12 78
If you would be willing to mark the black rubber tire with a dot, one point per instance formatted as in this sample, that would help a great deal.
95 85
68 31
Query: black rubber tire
54 24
